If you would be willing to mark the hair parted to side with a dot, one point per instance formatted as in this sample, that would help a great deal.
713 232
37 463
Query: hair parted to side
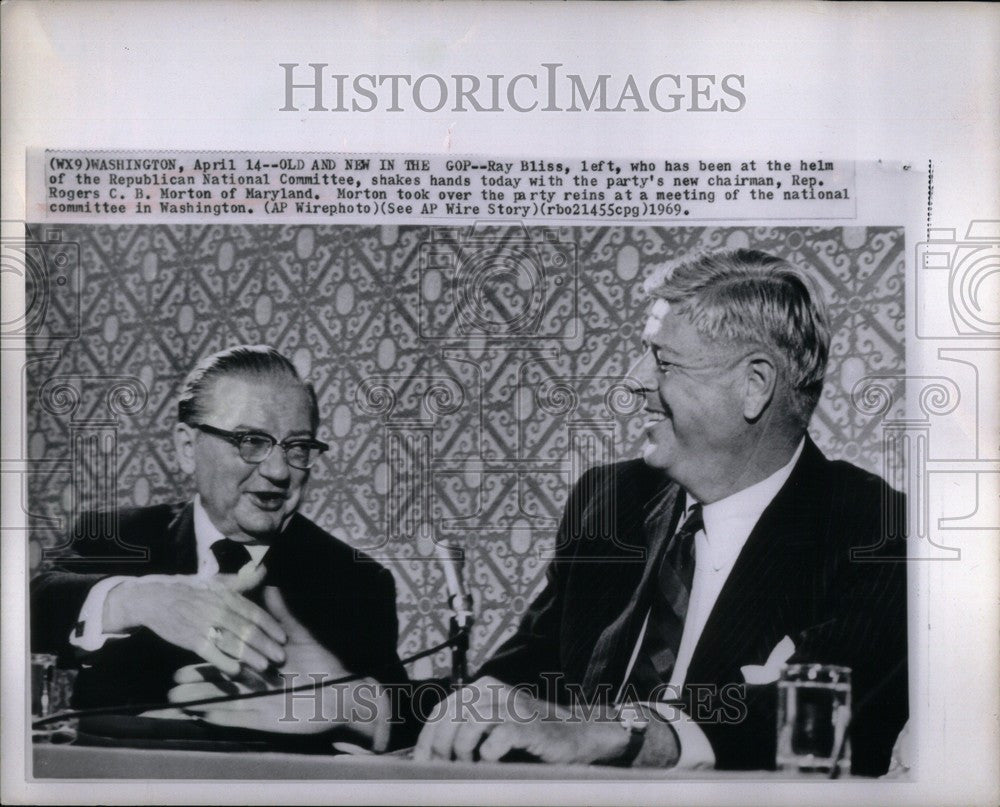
749 297
248 361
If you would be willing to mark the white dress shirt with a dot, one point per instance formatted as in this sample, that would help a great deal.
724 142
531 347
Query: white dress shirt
89 635
728 524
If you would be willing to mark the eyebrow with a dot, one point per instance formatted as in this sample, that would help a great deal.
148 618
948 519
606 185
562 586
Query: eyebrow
659 349
242 427
669 358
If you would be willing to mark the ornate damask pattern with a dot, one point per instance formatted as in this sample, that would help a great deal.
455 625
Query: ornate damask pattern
466 377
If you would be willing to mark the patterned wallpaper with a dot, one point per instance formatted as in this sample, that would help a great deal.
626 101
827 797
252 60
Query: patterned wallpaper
466 376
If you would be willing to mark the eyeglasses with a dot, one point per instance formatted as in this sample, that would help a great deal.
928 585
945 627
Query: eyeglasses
666 367
255 447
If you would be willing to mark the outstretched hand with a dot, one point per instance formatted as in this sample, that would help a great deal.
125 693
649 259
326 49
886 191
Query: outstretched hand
359 704
210 617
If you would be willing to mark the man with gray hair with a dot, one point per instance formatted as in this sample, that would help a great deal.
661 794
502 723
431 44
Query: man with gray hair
234 577
684 580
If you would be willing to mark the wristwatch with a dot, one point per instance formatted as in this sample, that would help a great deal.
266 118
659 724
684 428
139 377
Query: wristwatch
634 720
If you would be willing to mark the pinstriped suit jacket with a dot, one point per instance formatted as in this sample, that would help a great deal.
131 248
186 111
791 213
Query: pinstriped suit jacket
825 565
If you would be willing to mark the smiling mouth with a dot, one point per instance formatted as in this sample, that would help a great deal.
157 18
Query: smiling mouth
267 500
654 419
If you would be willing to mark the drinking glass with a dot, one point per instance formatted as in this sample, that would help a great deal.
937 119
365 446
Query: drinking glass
814 712
46 700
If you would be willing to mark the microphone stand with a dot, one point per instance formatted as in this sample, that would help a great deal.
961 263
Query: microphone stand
460 626
460 604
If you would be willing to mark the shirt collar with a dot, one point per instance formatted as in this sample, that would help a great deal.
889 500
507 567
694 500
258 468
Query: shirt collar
729 521
206 534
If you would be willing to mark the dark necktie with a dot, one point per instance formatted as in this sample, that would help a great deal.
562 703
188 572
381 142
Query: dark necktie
658 654
232 556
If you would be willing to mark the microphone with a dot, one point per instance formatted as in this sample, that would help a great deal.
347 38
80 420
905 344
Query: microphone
452 562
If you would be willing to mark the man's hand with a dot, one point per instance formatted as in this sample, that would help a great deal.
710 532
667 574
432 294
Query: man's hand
557 741
275 713
489 719
460 722
210 617
359 704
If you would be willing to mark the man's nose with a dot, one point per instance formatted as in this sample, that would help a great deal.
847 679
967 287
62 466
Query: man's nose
275 468
641 377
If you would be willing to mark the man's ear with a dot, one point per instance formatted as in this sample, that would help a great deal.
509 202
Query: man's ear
184 437
760 382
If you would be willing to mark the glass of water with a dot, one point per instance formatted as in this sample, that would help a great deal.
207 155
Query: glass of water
814 713
47 700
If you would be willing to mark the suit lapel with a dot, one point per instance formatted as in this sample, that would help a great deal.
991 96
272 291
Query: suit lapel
755 608
655 521
182 550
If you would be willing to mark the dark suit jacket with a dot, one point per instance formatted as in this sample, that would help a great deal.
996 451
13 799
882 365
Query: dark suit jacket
795 577
344 598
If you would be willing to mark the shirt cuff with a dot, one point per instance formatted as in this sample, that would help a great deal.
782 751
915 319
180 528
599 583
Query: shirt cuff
695 750
88 633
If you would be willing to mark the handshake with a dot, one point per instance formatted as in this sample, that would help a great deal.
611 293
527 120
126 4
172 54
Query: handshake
266 649
250 650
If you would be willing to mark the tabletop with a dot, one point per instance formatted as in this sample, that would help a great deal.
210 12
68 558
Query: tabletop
52 762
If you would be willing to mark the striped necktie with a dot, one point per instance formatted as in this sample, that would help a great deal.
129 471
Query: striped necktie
658 654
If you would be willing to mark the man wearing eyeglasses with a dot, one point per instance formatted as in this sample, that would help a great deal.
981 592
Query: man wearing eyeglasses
235 577
683 581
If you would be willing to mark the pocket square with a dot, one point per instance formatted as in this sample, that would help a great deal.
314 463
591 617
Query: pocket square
770 670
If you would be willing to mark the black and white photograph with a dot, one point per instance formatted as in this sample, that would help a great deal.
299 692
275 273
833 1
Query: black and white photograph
493 469
534 405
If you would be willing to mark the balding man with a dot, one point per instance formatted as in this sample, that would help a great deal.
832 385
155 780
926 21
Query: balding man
235 577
